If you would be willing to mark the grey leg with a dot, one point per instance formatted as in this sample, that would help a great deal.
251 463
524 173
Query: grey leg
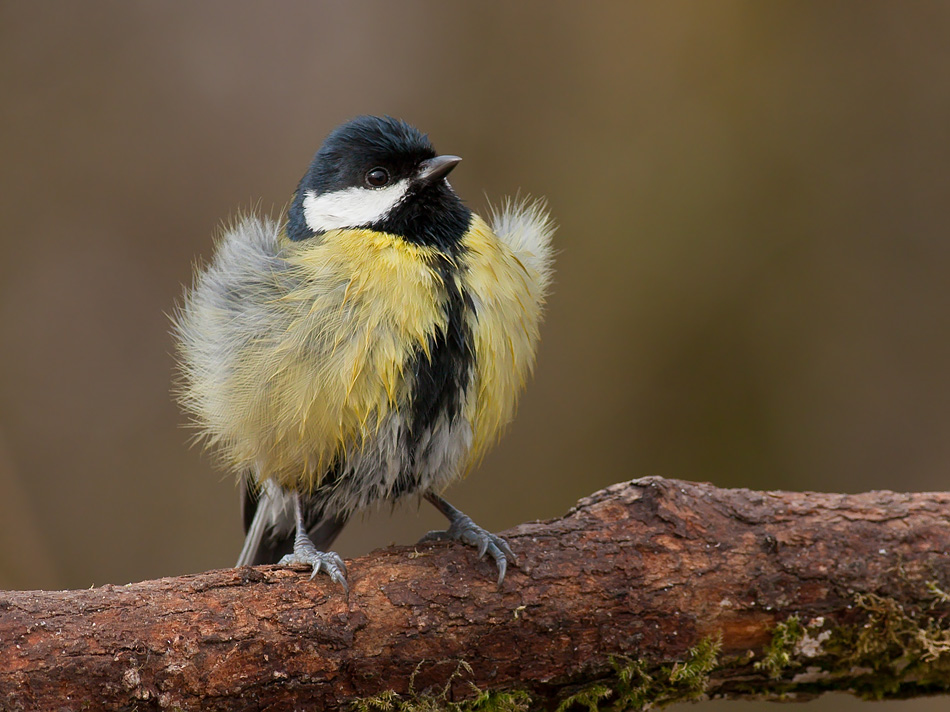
307 554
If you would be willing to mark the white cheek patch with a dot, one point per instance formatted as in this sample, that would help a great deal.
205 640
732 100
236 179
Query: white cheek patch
352 207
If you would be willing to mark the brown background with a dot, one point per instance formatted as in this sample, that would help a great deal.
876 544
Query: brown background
752 287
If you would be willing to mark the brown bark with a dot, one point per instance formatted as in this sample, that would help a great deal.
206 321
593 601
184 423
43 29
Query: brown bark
645 570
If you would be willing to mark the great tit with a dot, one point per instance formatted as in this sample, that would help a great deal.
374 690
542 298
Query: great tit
367 347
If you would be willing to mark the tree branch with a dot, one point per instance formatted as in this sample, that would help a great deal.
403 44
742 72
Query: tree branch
648 591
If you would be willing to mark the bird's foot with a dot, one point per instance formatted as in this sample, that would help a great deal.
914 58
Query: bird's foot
306 554
463 529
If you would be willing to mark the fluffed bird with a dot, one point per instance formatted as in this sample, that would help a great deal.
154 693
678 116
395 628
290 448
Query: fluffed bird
369 346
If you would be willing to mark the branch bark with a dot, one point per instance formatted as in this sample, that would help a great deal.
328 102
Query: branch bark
647 591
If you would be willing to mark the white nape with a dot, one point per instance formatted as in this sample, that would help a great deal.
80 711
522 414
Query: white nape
351 207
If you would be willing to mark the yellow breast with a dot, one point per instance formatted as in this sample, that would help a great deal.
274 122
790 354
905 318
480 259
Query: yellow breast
356 305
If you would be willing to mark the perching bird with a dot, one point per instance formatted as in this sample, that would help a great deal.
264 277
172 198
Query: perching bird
369 347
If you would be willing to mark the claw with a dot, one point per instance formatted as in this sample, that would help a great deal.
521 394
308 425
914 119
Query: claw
463 529
328 562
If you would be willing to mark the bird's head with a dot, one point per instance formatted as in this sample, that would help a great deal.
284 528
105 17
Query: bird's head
379 174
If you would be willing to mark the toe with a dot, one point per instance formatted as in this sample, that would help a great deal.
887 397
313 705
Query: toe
466 531
506 550
338 560
342 581
502 568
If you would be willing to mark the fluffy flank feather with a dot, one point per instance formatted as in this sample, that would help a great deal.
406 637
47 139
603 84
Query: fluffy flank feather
527 227
210 329
507 273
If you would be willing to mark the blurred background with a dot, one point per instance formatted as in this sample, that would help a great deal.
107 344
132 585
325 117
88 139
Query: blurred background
753 285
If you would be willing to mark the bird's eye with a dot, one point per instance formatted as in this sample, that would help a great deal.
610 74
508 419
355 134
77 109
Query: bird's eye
377 178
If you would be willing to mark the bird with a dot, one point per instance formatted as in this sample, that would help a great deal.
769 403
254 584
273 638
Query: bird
367 345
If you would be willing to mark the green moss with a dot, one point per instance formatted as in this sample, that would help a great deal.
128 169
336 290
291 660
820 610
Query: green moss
883 650
633 685
389 701
483 700
636 685
589 698
904 651
938 593
780 653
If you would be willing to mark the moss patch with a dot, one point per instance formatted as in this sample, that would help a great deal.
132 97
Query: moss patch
636 685
780 653
483 700
633 685
905 651
884 650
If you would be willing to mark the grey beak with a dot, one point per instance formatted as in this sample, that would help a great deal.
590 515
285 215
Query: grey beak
434 169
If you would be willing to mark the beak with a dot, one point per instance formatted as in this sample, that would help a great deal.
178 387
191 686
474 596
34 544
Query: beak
434 169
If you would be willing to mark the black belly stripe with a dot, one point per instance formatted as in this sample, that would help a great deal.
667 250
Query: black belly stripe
434 217
442 377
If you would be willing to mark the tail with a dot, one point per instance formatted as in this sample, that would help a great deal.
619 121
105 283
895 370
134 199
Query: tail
270 527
